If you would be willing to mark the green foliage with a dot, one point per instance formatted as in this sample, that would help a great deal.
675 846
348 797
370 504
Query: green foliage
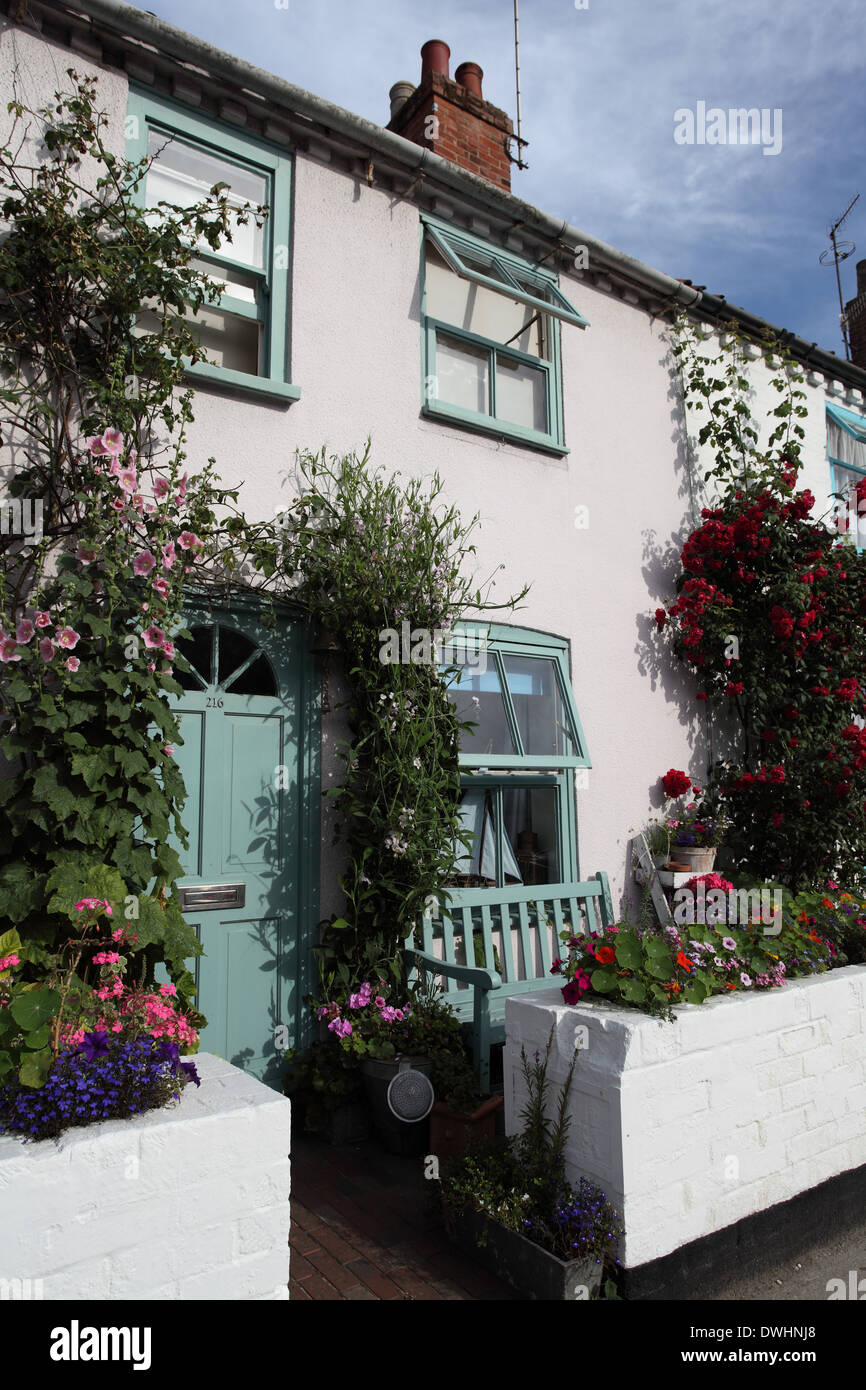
364 553
93 790
762 570
521 1184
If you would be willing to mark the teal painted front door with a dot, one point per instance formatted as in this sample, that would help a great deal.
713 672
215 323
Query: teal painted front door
245 714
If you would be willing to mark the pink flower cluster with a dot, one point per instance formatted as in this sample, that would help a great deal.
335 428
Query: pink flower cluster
66 638
7 962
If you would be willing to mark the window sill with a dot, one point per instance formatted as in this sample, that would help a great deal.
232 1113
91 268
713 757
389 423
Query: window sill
481 424
260 386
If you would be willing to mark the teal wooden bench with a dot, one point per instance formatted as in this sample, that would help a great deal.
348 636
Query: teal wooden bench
500 945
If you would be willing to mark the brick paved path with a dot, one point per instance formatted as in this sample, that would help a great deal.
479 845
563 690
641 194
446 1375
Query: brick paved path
362 1228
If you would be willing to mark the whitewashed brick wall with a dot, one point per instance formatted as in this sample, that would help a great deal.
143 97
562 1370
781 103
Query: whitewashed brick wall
184 1203
743 1102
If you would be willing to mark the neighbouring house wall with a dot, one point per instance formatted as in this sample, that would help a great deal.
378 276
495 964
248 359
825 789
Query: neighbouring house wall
740 1104
182 1203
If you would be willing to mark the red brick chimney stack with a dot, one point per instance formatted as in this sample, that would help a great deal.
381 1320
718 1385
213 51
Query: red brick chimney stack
451 117
856 311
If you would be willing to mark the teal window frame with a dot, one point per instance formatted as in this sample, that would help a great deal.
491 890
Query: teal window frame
510 771
855 426
146 112
518 279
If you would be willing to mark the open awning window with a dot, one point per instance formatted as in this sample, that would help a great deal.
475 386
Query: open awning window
502 273
846 437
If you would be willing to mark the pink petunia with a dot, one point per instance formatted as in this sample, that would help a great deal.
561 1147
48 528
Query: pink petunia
72 663
46 649
67 637
24 630
43 619
8 650
143 563
154 636
168 555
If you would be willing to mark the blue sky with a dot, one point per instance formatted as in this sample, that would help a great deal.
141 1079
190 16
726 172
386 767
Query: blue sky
600 88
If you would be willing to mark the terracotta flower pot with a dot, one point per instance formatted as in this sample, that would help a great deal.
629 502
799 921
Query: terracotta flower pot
451 1131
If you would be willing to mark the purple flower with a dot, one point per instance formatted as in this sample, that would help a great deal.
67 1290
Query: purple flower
94 1045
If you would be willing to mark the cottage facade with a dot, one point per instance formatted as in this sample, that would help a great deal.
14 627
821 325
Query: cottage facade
401 291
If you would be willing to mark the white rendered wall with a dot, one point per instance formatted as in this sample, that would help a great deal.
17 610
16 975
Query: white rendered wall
688 1127
184 1203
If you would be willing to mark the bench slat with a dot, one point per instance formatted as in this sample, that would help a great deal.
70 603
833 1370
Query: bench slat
508 971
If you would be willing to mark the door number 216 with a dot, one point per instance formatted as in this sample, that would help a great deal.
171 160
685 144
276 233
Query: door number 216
214 702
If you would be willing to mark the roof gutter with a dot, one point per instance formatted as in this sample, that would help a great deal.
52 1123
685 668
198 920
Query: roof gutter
125 21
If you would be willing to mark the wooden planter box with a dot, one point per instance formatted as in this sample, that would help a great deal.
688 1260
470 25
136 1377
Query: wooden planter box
518 1262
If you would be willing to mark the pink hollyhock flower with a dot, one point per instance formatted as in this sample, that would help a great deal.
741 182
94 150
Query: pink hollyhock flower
112 441
151 667
168 555
154 636
24 630
86 554
128 479
188 540
43 619
143 563
168 750
150 508
169 651
161 586
67 637
161 489
118 504
8 650
95 445
181 488
72 663
46 649
138 502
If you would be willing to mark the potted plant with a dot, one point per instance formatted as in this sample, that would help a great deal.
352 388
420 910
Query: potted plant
510 1205
696 828
461 1114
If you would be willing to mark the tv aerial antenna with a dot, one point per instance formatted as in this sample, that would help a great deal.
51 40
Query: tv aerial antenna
518 138
837 252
